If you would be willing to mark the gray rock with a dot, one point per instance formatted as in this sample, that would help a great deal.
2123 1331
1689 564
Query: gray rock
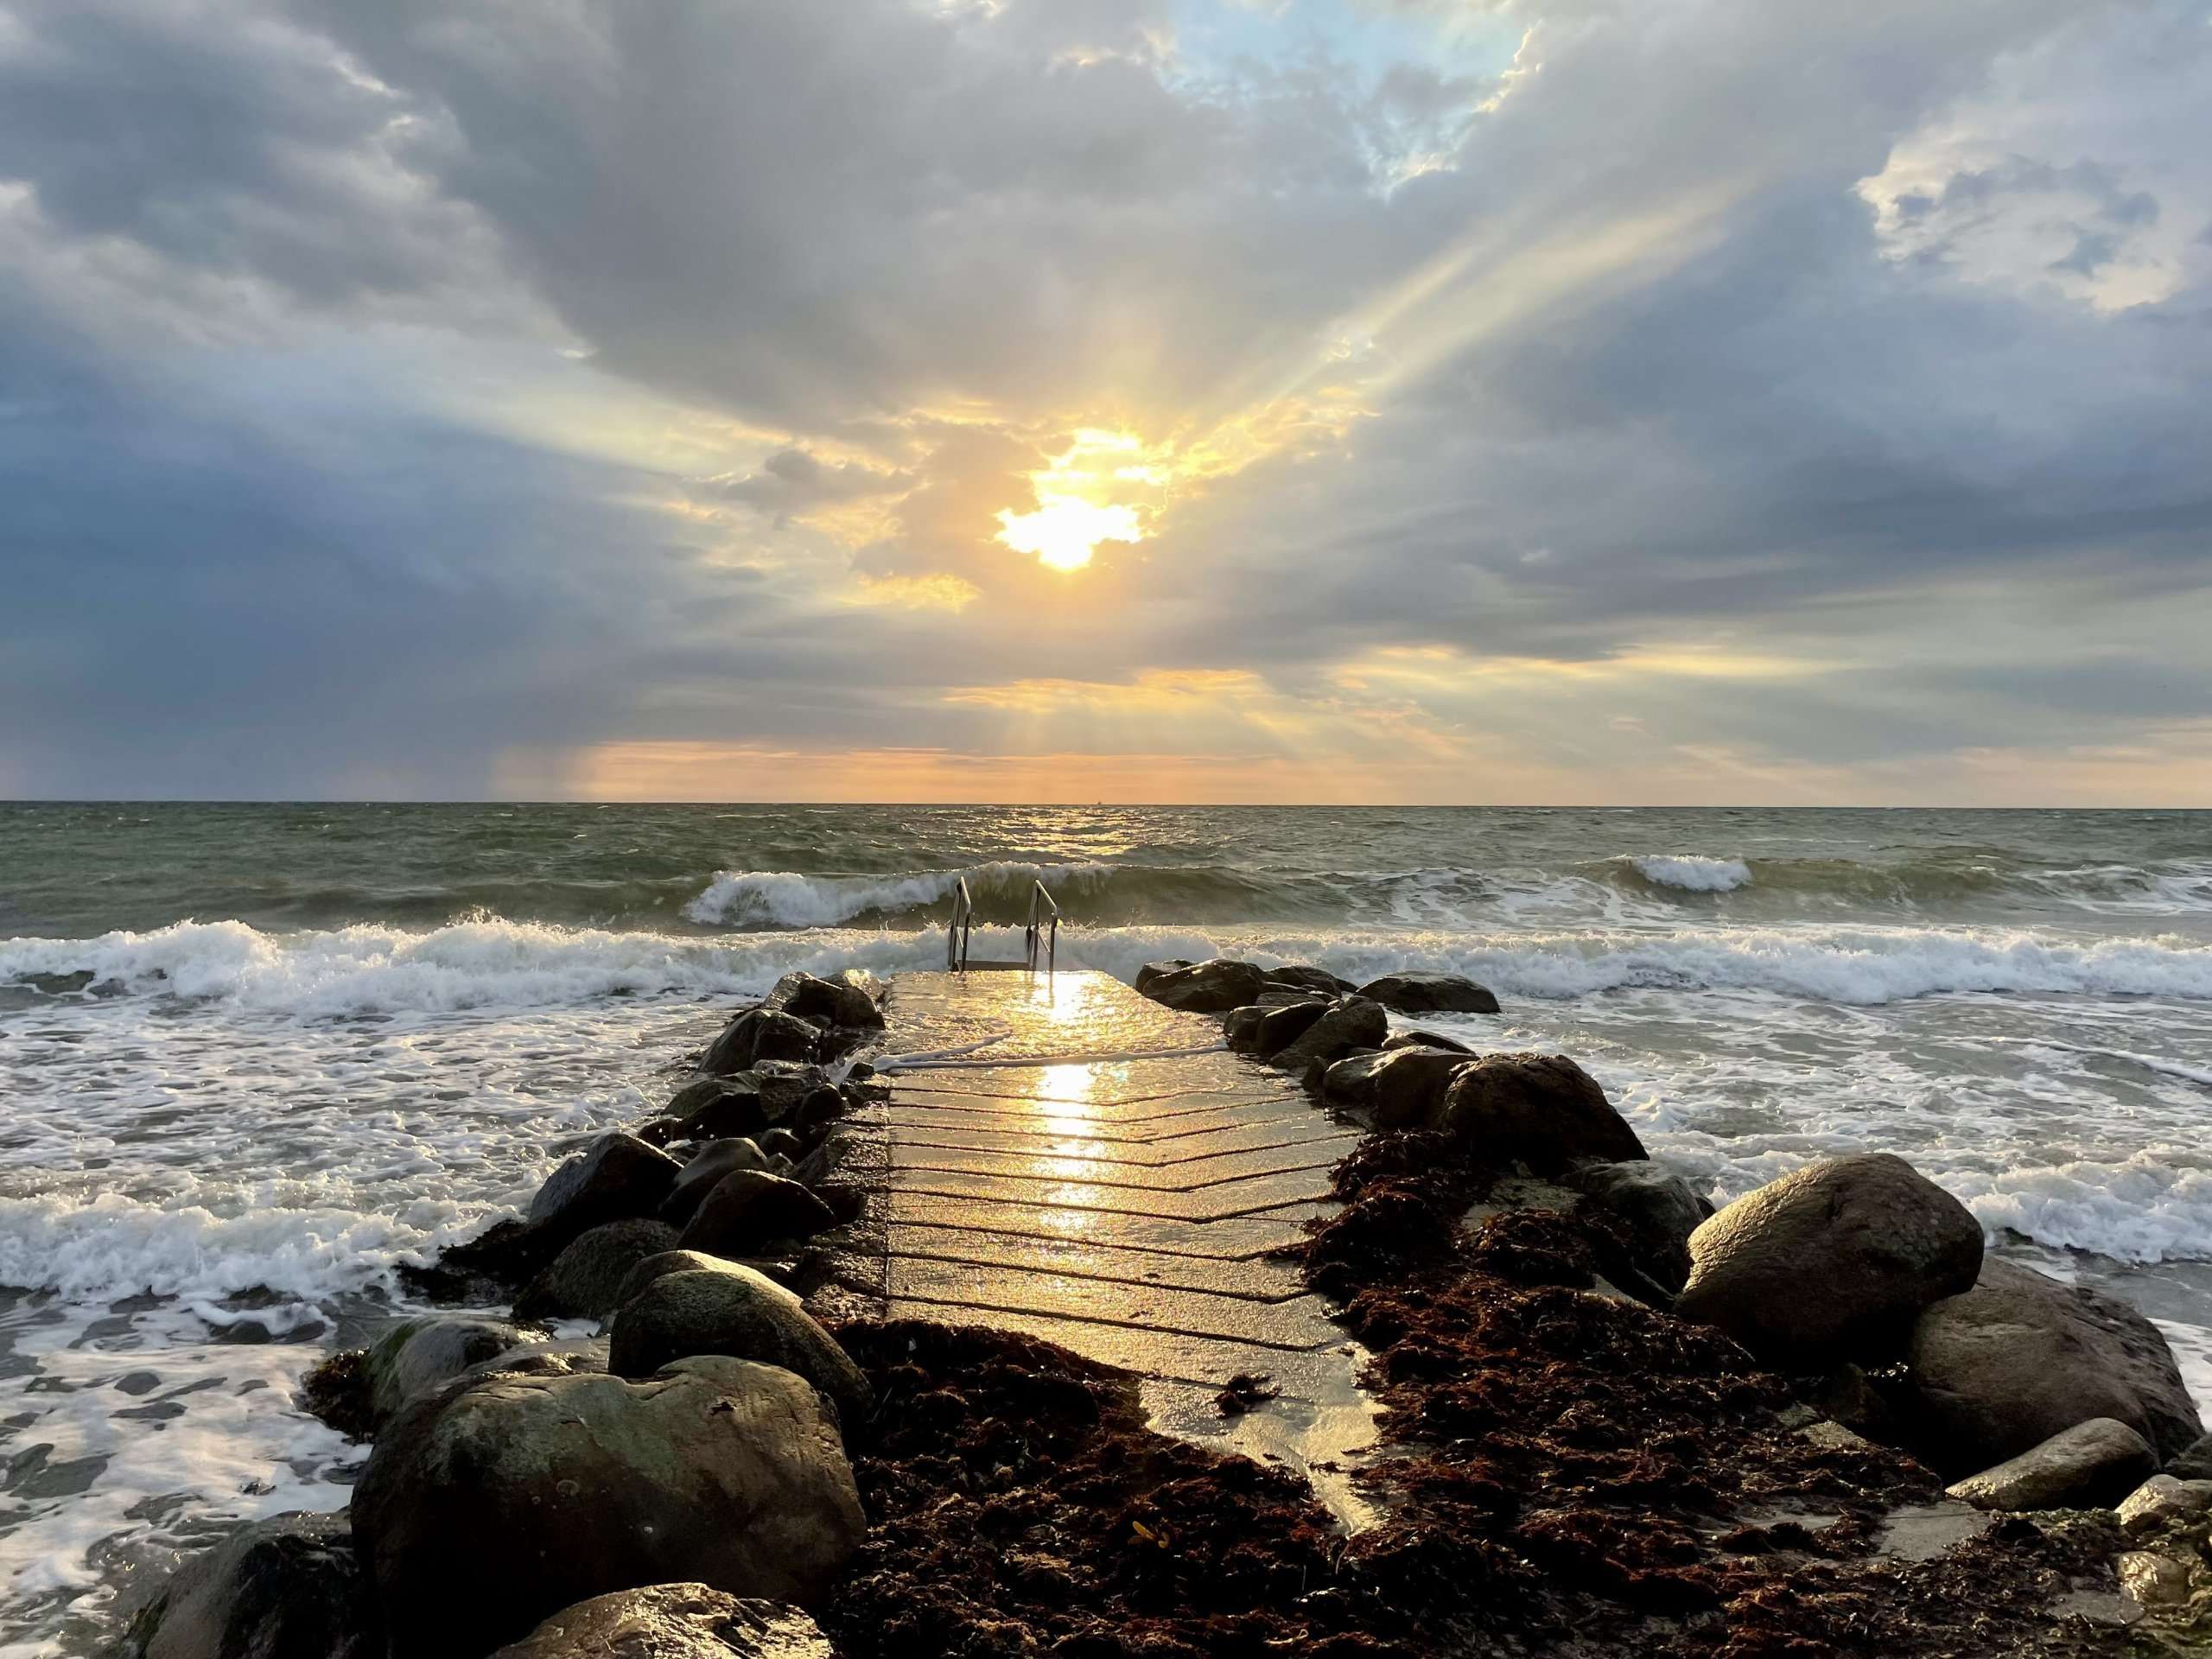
1659 1209
2019 1357
1832 1262
760 1034
704 1172
288 1587
2195 1463
1429 994
2087 1465
716 1108
581 1282
1425 1040
1353 1023
729 1309
847 999
418 1357
1302 976
2160 1502
1238 1026
1540 1110
1399 1087
750 1208
674 1621
1152 970
658 1266
781 1143
840 1148
485 1510
616 1177
1276 1029
2153 1580
1212 987
576 1357
818 1111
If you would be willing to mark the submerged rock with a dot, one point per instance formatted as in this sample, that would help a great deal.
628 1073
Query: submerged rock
581 1282
758 1034
1430 994
2090 1464
484 1511
1832 1262
1658 1208
1212 986
1539 1109
730 1309
617 1177
1400 1088
288 1587
1352 1024
674 1621
2019 1357
749 1209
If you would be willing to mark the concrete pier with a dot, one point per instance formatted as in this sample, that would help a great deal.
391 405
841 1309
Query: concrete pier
1102 1173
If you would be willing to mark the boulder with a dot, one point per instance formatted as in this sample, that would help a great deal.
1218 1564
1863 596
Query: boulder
1239 1025
2162 1501
616 1177
1212 986
1832 1262
1659 1210
1353 1023
2155 1581
486 1509
749 1209
1301 976
1276 1029
713 1109
1429 994
2089 1465
422 1356
2195 1463
2011 1361
704 1171
1399 1087
581 1282
288 1587
781 1143
674 1621
729 1309
1425 1040
1152 970
847 999
1540 1110
760 1034
658 1266
576 1357
839 1148
817 1109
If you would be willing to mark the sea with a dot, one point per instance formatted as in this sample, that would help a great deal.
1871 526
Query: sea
254 1057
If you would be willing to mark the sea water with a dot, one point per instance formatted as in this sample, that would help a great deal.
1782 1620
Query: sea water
253 1059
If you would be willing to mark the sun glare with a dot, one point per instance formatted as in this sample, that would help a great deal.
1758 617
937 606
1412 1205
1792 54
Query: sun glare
1065 529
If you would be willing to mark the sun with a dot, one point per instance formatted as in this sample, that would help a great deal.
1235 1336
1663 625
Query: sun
1065 529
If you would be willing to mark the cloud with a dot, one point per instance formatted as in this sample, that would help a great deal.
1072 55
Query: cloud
1565 397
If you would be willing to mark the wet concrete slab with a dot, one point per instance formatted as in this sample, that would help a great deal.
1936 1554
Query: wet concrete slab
1119 1184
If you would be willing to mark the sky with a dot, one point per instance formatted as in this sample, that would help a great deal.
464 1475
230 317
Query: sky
1561 401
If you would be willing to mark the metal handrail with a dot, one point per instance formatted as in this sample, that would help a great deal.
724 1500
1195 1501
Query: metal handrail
1038 896
955 930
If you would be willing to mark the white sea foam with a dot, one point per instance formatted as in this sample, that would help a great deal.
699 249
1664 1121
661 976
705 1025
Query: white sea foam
1693 874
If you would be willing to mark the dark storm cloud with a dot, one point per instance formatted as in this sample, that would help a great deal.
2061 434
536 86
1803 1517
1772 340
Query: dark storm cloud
1834 335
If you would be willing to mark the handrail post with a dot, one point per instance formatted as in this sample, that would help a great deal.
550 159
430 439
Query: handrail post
955 930
1037 932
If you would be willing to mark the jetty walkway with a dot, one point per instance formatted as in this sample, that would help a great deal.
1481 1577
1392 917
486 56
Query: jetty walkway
1099 1171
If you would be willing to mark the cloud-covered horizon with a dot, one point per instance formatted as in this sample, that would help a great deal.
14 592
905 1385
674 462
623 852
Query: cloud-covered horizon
1544 400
